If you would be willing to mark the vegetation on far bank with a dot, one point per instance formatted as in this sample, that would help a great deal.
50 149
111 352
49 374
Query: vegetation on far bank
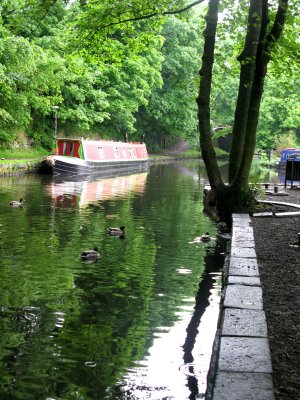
15 156
137 78
12 154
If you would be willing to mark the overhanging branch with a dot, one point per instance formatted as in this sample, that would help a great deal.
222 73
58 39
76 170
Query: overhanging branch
154 14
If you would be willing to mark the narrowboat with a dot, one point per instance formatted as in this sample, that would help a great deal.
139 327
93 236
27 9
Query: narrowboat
287 154
85 157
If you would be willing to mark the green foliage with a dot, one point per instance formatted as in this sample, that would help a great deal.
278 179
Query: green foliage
280 112
129 86
191 153
279 115
30 84
172 109
84 102
248 196
98 90
21 154
112 70
103 22
32 18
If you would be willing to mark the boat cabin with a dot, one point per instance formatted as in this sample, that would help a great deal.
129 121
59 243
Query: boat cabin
68 147
289 153
101 150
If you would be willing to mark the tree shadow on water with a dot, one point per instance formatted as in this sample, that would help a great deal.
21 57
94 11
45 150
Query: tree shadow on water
213 263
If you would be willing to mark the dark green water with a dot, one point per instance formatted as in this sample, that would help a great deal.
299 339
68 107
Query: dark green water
115 328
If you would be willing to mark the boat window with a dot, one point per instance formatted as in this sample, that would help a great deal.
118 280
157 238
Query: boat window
65 148
116 150
100 152
71 148
130 151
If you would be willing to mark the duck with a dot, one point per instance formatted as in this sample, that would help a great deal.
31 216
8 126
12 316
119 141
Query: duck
16 203
205 238
90 254
117 231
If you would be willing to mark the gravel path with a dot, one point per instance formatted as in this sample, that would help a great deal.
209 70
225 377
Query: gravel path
279 266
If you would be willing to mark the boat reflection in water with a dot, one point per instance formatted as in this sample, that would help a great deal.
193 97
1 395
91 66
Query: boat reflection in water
73 191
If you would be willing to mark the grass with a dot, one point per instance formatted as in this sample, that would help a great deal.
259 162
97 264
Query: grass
14 156
191 153
158 157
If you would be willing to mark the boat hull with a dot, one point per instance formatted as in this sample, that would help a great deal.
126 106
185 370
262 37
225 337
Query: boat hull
72 166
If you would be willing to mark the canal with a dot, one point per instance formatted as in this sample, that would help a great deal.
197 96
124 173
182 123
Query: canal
126 326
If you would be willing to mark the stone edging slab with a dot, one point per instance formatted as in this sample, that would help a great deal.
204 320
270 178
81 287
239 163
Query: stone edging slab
241 365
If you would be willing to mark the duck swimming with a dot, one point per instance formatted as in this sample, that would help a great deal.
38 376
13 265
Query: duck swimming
90 254
16 203
117 231
205 238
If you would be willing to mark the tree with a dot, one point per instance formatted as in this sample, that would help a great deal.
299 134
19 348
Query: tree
43 63
31 76
254 59
32 18
27 84
129 86
280 113
172 109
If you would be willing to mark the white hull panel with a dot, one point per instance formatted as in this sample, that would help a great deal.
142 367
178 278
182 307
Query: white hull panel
75 166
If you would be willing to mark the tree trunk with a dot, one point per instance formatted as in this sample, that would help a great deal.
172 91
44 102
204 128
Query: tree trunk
266 42
254 106
247 60
203 99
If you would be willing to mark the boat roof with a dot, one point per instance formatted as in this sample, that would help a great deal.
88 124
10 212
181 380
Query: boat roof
290 149
96 140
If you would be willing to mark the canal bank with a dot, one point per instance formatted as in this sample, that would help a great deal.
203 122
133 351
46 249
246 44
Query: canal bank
241 365
259 308
15 167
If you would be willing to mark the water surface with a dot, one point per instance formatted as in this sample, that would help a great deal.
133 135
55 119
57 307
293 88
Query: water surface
115 328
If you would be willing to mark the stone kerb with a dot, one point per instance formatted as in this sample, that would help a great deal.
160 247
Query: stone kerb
243 368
